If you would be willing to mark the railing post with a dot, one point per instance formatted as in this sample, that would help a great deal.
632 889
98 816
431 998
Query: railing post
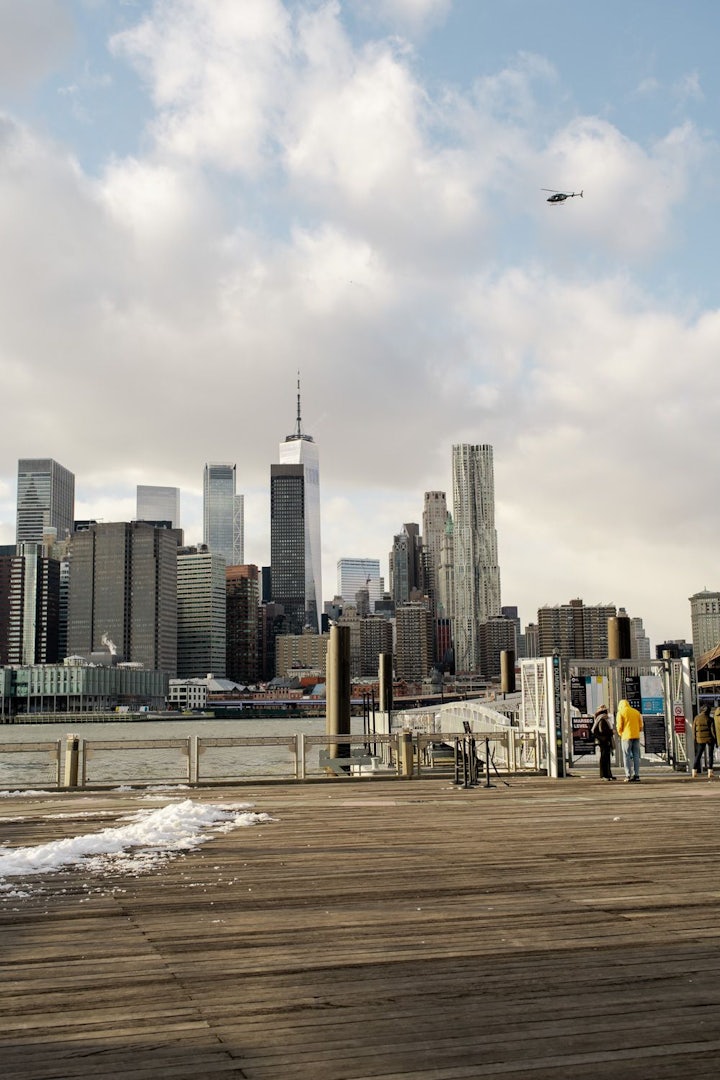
405 754
72 757
193 760
300 756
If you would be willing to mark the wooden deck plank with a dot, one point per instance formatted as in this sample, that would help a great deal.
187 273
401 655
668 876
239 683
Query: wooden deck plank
394 930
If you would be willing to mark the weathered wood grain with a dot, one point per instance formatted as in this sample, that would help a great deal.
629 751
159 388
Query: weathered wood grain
402 930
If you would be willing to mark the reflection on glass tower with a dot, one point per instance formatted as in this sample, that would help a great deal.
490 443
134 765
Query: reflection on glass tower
295 530
223 513
45 500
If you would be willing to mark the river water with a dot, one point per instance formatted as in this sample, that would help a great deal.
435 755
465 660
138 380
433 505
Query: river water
163 764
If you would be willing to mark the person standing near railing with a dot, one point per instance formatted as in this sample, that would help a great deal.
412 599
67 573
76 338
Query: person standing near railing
602 731
702 737
629 725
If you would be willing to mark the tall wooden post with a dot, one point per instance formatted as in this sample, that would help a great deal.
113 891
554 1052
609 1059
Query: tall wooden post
619 647
337 683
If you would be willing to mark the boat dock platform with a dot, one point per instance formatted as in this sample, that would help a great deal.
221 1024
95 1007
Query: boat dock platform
376 930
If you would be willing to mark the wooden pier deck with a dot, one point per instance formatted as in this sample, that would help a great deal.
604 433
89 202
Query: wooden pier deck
393 930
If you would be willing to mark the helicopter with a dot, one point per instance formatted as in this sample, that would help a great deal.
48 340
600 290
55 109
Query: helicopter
561 196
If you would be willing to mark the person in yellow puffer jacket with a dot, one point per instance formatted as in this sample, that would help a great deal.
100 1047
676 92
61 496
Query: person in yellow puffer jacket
629 724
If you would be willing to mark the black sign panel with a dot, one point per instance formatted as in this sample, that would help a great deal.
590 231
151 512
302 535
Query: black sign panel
578 692
654 731
631 691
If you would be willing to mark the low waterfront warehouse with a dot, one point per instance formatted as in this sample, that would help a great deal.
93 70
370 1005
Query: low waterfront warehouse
78 687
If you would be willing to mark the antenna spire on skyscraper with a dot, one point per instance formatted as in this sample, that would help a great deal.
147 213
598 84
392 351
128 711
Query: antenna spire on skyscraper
298 433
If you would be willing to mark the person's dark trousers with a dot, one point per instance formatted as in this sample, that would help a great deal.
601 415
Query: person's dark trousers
699 755
605 758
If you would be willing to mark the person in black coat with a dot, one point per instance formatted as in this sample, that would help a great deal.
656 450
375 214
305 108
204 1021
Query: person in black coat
604 736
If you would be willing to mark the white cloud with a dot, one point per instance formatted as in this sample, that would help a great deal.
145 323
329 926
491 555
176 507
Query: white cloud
631 192
34 37
405 16
689 88
216 73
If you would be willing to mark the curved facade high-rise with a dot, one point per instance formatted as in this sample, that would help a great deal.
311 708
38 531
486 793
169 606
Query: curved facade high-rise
476 570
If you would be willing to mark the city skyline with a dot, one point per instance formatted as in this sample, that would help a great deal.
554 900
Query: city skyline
197 203
473 500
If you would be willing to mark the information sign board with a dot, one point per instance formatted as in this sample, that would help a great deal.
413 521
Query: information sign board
654 732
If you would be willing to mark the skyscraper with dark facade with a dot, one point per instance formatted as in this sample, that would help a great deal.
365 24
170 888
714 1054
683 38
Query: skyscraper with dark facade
405 564
242 598
45 500
295 555
287 544
29 607
414 645
123 594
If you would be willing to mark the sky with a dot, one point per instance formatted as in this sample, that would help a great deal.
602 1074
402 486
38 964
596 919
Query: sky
200 199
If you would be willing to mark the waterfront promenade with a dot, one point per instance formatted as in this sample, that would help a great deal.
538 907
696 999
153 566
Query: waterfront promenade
403 930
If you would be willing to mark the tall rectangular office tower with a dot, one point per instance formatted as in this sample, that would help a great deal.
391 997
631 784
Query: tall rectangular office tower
29 607
45 500
201 615
476 570
158 504
295 521
223 513
123 594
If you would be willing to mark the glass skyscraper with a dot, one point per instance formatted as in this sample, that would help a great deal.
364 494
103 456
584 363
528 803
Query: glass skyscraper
476 570
295 555
356 574
158 504
223 513
45 500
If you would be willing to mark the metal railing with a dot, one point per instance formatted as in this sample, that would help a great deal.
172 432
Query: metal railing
36 760
199 759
